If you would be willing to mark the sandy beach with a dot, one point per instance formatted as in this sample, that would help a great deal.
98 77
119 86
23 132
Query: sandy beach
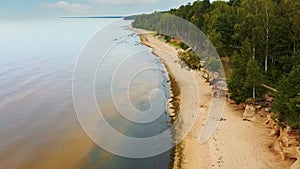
235 144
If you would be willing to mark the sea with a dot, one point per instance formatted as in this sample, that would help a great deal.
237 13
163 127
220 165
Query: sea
39 127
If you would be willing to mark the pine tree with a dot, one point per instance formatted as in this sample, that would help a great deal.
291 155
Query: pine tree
238 78
287 98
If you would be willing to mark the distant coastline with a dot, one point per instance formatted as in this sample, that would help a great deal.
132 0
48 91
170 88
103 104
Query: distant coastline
93 17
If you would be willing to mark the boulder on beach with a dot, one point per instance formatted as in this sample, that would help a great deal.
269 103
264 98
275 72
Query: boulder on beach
296 165
275 131
287 139
249 113
291 152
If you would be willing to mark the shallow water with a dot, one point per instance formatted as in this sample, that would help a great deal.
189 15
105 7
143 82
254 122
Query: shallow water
38 124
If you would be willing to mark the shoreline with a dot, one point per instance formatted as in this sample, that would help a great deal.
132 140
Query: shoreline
173 107
235 143
187 101
173 102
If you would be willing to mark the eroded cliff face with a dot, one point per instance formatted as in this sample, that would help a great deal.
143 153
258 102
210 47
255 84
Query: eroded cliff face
286 141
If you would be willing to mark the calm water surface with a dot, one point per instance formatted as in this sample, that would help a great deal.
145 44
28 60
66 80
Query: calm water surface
38 124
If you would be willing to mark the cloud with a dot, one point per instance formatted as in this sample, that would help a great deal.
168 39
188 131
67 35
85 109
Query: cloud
68 7
124 2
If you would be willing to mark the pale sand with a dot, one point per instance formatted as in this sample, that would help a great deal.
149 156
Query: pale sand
235 144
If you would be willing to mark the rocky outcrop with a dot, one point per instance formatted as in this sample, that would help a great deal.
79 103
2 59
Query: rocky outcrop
286 144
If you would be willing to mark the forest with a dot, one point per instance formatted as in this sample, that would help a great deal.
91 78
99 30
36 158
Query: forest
261 38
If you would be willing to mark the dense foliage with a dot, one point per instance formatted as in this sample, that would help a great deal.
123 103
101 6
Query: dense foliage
288 98
190 59
262 40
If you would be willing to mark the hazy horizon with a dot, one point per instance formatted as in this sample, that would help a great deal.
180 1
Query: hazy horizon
37 9
32 9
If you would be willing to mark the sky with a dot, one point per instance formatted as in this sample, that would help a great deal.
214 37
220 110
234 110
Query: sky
57 8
